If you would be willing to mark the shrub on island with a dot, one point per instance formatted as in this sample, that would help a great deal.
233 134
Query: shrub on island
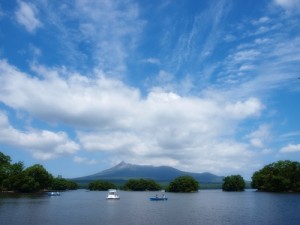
234 183
281 176
183 184
141 185
100 185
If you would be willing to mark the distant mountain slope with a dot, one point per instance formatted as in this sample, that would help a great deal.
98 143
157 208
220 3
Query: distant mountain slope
125 171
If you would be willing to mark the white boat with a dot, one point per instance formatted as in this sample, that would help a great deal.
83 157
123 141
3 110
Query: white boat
112 194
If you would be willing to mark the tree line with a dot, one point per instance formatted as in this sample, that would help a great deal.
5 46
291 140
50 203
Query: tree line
281 176
180 184
15 177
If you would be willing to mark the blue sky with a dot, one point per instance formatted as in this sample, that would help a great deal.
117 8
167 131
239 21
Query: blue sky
198 85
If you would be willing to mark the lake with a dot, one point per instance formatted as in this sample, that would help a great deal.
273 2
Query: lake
209 207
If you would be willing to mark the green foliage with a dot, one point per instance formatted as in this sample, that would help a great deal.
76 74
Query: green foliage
4 168
25 183
14 177
183 184
4 159
100 185
62 184
141 185
40 176
233 183
282 176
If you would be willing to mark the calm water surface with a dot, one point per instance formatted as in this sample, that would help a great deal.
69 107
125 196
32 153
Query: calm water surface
209 207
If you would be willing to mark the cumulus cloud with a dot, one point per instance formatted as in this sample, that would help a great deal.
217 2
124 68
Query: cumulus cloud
77 100
27 16
248 108
109 116
42 144
290 148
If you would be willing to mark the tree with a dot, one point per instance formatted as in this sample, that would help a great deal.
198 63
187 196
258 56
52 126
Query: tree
4 159
40 176
141 185
63 184
15 173
233 183
31 179
100 185
14 177
4 168
25 183
183 184
282 176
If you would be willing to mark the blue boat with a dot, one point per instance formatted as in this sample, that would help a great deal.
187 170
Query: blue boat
156 198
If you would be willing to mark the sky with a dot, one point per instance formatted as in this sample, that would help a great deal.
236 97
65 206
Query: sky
202 86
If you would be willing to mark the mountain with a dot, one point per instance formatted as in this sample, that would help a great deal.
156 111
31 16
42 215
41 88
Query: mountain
125 171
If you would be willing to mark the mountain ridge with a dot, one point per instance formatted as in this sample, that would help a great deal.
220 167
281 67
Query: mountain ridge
125 171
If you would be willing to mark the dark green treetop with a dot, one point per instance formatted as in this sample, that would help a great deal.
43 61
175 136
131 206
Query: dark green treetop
141 185
41 176
4 168
234 183
14 177
101 185
183 184
4 159
61 184
281 176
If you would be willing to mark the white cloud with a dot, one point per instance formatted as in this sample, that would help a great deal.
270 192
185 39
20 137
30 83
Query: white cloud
166 81
183 52
93 102
27 16
290 135
246 55
1 13
164 77
290 148
248 108
83 160
113 27
229 38
288 4
112 141
152 61
266 151
246 67
260 66
262 20
262 40
159 127
42 144
259 137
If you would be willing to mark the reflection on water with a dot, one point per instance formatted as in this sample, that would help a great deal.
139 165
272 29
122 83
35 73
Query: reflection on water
205 207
